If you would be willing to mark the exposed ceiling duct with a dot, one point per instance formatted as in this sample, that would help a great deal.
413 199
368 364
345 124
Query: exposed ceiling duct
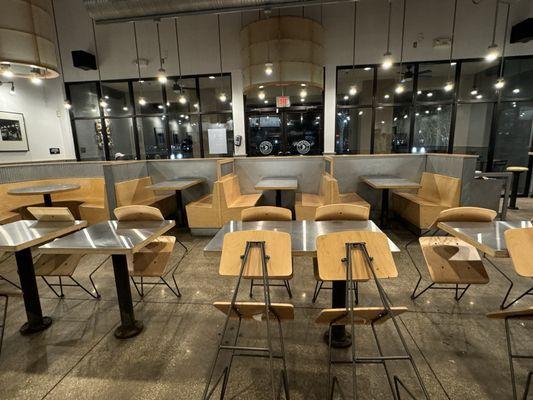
109 11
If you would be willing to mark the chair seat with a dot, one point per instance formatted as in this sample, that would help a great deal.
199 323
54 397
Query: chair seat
253 310
516 169
311 200
153 259
451 260
518 313
205 202
415 198
245 200
7 217
362 315
57 264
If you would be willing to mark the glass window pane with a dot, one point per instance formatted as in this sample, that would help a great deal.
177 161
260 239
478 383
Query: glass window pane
472 131
90 141
435 82
148 97
391 130
354 86
215 122
432 129
513 136
215 94
117 97
353 131
264 137
388 81
184 132
121 138
518 73
263 97
84 100
152 137
477 80
302 130
182 96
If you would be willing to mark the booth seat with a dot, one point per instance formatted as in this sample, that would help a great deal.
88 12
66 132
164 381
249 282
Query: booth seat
436 193
347 198
205 212
135 192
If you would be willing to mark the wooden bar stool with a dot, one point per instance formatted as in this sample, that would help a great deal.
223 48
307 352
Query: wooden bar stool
337 212
516 171
153 260
518 314
4 317
452 261
253 255
267 213
349 257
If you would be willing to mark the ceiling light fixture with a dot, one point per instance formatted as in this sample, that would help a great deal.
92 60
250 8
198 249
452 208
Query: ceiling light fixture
474 92
67 105
303 93
516 91
500 82
400 88
6 71
182 99
268 69
352 91
387 57
161 73
261 95
493 52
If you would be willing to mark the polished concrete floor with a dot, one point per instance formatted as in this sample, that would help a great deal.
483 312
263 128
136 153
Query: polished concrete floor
460 353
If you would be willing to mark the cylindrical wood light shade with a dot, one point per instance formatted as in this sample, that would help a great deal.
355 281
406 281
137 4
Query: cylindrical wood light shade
294 47
27 38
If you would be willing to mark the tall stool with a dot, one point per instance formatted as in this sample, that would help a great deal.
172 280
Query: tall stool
4 317
153 260
253 255
337 212
348 257
516 179
267 213
452 261
519 314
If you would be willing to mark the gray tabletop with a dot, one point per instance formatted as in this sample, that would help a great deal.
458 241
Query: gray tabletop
303 233
277 183
44 189
488 237
23 234
109 237
176 184
389 182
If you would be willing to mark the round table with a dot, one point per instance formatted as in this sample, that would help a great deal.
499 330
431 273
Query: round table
45 190
516 178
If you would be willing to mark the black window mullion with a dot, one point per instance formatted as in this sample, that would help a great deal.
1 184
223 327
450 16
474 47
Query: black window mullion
373 119
412 109
200 127
135 128
451 137
105 140
72 124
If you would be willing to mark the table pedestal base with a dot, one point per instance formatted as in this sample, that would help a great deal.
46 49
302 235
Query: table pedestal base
340 339
126 332
28 329
129 327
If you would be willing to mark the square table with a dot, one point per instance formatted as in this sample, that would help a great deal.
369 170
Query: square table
303 242
120 239
177 185
278 184
385 183
19 237
45 190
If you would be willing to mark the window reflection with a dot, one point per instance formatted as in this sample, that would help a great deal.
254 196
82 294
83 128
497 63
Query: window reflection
389 81
117 99
152 137
89 135
84 100
353 129
121 138
184 135
391 130
182 96
477 80
215 92
148 97
518 74
432 129
435 82
355 86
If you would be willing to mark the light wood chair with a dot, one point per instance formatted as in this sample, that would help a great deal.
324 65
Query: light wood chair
516 314
61 266
261 255
267 213
354 256
153 260
449 260
337 212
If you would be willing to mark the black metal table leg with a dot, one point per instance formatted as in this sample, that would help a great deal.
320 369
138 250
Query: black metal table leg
514 190
47 200
339 337
180 210
384 220
129 327
36 321
278 198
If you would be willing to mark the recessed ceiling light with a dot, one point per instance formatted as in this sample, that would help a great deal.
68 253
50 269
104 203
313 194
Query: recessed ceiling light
211 77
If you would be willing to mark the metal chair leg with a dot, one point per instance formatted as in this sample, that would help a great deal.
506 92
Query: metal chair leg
316 292
458 298
251 288
61 287
177 294
136 288
502 305
94 296
60 295
3 278
3 326
288 286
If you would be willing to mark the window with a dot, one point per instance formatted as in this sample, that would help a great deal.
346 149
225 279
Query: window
388 82
432 129
436 82
518 73
352 131
355 86
391 129
477 79
217 129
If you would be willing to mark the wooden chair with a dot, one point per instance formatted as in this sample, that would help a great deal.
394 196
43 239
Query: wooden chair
261 255
517 314
436 193
205 212
336 212
153 260
306 203
267 213
60 266
232 201
449 260
351 257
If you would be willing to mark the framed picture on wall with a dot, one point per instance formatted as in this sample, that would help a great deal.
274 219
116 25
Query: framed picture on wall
12 132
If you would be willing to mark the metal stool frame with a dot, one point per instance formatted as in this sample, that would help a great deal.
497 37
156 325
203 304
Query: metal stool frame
512 356
3 325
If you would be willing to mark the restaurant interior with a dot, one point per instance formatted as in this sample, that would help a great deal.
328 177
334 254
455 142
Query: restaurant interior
266 199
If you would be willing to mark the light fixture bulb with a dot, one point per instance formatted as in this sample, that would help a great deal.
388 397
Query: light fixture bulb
500 83
303 93
182 99
125 108
387 60
142 101
161 76
268 69
266 101
302 100
352 91
7 73
222 97
36 80
346 97
399 89
211 77
474 92
67 105
429 94
196 105
492 53
479 96
261 95
516 91
448 87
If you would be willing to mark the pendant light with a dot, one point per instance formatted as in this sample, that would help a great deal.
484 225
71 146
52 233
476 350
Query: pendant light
141 100
493 52
449 85
400 88
353 89
222 96
103 104
66 102
500 82
181 97
387 57
161 73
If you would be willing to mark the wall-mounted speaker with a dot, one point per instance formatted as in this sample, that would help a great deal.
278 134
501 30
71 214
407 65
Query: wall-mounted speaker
82 59
523 31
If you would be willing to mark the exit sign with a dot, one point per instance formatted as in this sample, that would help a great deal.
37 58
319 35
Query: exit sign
283 101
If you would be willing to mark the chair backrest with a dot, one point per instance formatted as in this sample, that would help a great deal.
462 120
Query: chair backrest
138 213
441 189
225 167
466 214
133 191
253 310
277 248
520 246
266 213
331 250
51 213
362 315
342 212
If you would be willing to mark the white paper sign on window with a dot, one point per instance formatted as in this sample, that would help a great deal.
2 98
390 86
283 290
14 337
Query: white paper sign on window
217 141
